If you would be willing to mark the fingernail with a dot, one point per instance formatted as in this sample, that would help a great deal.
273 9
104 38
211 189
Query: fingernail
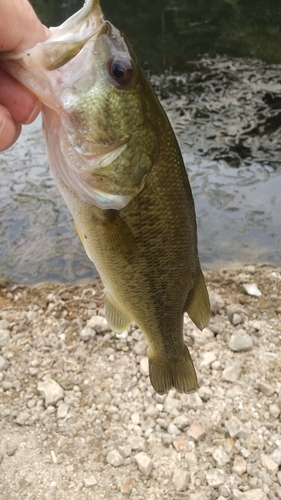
34 113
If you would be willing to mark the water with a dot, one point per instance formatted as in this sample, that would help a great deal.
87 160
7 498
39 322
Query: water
238 215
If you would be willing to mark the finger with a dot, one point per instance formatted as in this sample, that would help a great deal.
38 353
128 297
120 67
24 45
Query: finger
9 130
25 29
21 103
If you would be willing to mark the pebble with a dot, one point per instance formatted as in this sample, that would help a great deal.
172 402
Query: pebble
4 337
173 429
4 364
197 431
87 333
235 428
22 418
98 323
269 464
125 450
215 477
11 448
220 456
265 388
236 319
181 421
181 479
62 410
114 458
252 289
90 481
239 465
182 444
171 403
256 494
207 358
232 372
140 348
216 301
137 443
240 341
144 463
51 391
144 366
127 485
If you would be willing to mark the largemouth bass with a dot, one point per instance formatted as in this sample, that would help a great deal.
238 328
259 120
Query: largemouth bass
119 169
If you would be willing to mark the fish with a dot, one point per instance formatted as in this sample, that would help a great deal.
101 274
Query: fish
119 168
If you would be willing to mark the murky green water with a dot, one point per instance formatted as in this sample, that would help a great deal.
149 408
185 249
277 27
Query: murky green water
238 214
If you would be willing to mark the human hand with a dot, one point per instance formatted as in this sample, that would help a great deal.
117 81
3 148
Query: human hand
20 29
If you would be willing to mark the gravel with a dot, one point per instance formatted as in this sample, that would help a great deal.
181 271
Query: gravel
80 420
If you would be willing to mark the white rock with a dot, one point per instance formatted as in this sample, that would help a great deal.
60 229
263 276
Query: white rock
144 463
125 450
216 301
235 428
239 465
193 401
114 458
207 358
232 372
252 289
98 323
266 389
256 494
4 364
269 464
87 333
144 368
220 456
171 403
22 417
181 479
197 431
90 481
4 324
51 391
135 417
173 429
240 341
274 410
4 337
182 421
236 319
215 477
137 443
62 410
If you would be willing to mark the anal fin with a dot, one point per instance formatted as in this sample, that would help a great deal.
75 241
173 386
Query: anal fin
197 304
116 319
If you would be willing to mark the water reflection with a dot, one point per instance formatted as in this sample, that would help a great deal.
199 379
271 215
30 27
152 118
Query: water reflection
238 215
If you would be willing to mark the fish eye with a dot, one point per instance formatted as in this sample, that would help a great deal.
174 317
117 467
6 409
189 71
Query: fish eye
120 69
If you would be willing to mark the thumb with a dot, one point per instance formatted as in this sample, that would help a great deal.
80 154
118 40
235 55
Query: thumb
20 28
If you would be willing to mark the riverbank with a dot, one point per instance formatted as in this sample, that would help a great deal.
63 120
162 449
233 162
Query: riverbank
80 420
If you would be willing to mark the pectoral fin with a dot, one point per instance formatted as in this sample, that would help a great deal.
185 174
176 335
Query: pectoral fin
116 319
197 304
119 235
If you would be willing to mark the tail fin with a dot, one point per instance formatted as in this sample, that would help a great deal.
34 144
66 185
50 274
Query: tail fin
179 374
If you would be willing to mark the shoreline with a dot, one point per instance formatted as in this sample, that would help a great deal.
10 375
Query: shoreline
80 419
